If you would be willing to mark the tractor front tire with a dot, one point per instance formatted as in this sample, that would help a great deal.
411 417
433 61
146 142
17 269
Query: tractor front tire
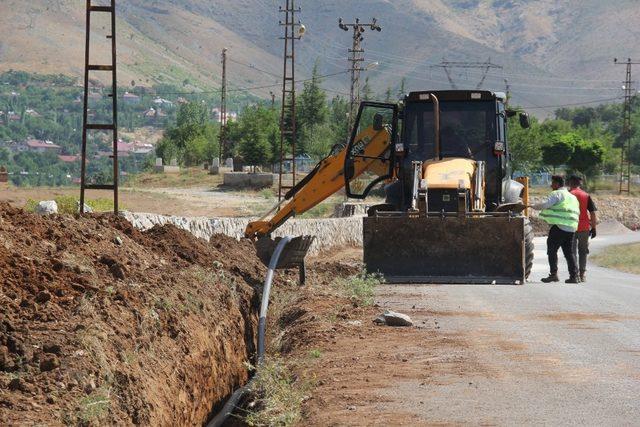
528 247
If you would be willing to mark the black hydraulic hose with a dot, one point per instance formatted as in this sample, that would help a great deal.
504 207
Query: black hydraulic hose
231 404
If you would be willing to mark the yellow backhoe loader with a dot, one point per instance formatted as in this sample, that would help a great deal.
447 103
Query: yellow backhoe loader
452 214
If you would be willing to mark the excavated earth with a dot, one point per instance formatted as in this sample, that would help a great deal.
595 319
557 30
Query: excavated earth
103 324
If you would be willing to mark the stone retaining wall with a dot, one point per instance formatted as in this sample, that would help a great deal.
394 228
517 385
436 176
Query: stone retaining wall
330 233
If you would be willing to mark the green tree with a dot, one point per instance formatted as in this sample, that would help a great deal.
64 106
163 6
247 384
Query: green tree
320 139
256 127
5 156
587 157
340 120
525 145
634 154
192 114
367 92
387 95
558 151
193 140
312 108
403 88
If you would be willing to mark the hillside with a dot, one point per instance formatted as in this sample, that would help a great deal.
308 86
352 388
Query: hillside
553 51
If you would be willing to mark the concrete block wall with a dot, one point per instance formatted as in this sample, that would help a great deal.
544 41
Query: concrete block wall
250 180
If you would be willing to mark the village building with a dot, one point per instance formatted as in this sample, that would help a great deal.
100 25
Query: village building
130 98
217 115
38 146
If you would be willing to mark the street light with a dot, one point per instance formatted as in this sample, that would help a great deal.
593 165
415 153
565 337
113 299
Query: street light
371 66
302 30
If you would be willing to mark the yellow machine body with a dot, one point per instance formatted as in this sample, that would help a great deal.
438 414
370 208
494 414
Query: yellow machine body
449 173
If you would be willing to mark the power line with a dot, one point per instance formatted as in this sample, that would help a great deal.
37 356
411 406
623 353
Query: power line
253 67
356 59
243 89
449 65
511 74
573 104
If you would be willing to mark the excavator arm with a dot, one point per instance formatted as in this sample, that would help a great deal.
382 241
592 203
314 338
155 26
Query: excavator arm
327 178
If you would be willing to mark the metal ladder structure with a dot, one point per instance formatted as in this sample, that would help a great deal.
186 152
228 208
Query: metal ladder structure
625 152
288 113
113 126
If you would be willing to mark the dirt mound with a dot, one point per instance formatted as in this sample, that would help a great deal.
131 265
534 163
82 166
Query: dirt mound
103 324
612 226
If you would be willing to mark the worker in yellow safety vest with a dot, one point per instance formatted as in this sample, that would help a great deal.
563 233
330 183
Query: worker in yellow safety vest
561 210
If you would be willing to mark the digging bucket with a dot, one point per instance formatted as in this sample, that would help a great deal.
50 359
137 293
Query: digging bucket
293 254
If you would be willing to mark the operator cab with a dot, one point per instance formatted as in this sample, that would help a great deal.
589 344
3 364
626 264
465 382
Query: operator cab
436 126
472 126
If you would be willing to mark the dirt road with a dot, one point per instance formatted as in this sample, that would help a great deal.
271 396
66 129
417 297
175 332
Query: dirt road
500 355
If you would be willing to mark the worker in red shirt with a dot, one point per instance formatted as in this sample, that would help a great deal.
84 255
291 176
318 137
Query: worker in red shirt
586 225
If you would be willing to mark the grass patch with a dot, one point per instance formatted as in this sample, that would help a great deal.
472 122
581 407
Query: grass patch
69 205
279 395
189 177
94 407
315 353
267 194
360 288
323 210
624 258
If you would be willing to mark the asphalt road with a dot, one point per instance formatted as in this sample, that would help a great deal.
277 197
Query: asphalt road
538 354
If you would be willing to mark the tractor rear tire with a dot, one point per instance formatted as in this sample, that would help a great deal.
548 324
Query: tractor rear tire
528 247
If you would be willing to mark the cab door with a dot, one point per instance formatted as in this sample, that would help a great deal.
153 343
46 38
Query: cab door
370 154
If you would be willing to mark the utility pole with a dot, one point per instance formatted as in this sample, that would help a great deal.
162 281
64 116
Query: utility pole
293 30
625 152
356 59
223 108
507 93
273 100
448 66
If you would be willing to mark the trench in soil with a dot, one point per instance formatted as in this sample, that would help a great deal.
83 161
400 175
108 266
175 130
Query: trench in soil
103 324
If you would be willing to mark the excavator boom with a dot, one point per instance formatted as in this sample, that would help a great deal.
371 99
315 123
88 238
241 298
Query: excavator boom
327 178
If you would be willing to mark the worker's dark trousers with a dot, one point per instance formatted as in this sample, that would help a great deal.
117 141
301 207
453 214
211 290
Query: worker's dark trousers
561 239
581 246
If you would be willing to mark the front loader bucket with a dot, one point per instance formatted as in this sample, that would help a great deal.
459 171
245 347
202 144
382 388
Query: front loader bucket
451 249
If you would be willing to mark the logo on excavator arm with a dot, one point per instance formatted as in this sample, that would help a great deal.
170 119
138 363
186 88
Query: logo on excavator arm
360 146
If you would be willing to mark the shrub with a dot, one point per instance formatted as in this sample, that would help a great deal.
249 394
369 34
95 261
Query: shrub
361 287
279 396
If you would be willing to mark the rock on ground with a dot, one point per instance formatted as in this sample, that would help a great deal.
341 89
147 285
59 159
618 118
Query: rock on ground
391 318
47 207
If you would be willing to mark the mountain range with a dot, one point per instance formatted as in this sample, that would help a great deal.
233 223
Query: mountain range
550 52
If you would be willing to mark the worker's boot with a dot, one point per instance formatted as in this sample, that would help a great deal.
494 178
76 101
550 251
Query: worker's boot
583 276
552 278
572 279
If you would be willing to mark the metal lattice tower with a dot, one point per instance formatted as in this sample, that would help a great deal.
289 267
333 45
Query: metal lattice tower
292 32
223 109
486 66
108 127
625 152
356 59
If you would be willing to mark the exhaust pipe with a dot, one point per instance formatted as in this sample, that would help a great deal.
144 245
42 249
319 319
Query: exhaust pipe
436 121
